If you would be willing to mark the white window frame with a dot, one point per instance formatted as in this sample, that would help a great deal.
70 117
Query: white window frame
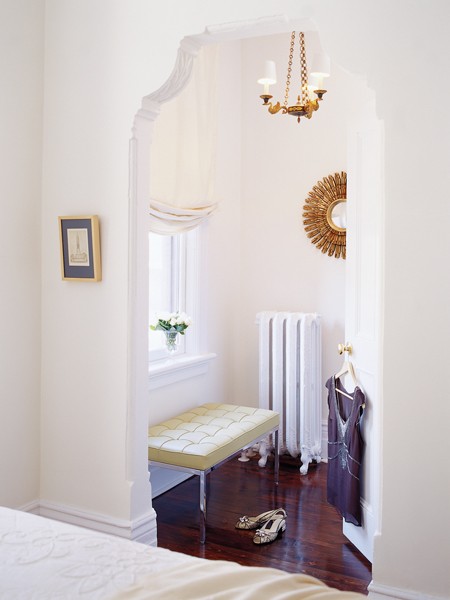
179 268
190 360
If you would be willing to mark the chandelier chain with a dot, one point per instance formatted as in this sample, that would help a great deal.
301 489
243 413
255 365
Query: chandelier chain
304 69
288 78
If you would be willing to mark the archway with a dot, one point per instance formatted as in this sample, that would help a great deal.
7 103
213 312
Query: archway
141 159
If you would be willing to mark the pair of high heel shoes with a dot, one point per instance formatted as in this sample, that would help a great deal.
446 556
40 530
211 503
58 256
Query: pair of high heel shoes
269 525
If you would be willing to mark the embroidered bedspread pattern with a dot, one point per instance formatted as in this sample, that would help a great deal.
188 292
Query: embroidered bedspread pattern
45 559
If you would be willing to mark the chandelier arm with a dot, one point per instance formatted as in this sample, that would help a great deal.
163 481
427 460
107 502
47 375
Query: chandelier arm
274 108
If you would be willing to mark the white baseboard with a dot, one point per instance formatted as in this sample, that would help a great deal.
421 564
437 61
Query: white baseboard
378 591
140 530
30 507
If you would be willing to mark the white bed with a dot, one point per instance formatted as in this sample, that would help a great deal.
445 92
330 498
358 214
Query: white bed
45 559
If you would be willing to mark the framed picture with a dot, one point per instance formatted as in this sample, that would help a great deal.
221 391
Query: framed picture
80 248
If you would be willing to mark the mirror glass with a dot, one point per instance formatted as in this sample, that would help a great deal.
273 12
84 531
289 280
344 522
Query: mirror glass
338 215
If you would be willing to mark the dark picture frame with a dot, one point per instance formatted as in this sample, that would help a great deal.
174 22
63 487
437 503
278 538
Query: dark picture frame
80 248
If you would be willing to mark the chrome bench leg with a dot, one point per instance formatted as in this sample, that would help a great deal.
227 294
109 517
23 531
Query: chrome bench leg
202 507
276 463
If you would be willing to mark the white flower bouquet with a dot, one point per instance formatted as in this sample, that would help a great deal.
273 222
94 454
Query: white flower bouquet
174 322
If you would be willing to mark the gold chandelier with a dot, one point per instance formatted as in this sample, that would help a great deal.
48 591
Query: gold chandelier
306 105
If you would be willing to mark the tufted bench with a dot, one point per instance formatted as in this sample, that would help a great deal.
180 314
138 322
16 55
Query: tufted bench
201 439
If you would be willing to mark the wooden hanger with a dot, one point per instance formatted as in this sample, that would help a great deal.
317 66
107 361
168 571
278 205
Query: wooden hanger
347 367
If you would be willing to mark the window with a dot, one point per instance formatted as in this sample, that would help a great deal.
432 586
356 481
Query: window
172 284
174 277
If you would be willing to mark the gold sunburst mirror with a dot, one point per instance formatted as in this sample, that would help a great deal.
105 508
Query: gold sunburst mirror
324 214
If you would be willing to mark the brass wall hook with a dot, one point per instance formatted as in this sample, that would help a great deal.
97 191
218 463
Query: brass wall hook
345 348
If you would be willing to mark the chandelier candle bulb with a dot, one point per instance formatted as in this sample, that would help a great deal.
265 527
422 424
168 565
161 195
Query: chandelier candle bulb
269 77
320 68
320 65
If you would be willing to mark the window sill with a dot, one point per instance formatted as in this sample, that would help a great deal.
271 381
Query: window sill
172 370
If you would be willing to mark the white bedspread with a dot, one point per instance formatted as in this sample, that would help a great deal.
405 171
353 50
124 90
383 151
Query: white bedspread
42 559
45 559
223 580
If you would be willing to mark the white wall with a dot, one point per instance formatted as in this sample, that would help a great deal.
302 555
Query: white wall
412 550
102 57
94 80
21 72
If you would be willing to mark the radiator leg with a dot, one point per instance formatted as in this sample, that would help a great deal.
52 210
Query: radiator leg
276 461
202 507
264 452
305 465
243 457
307 456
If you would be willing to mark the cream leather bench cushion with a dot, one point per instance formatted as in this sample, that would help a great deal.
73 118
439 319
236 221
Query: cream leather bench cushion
208 434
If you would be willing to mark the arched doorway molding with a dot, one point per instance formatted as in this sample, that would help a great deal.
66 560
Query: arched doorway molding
191 45
140 156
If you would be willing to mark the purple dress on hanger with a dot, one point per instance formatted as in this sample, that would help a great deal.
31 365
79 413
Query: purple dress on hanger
345 450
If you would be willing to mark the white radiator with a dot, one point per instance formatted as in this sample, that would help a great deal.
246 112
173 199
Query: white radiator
290 382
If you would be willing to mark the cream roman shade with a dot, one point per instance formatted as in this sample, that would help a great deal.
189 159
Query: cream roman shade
183 152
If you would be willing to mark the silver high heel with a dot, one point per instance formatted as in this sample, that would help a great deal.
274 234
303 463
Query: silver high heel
270 531
255 522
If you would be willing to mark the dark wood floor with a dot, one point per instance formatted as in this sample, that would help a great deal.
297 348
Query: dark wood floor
313 542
